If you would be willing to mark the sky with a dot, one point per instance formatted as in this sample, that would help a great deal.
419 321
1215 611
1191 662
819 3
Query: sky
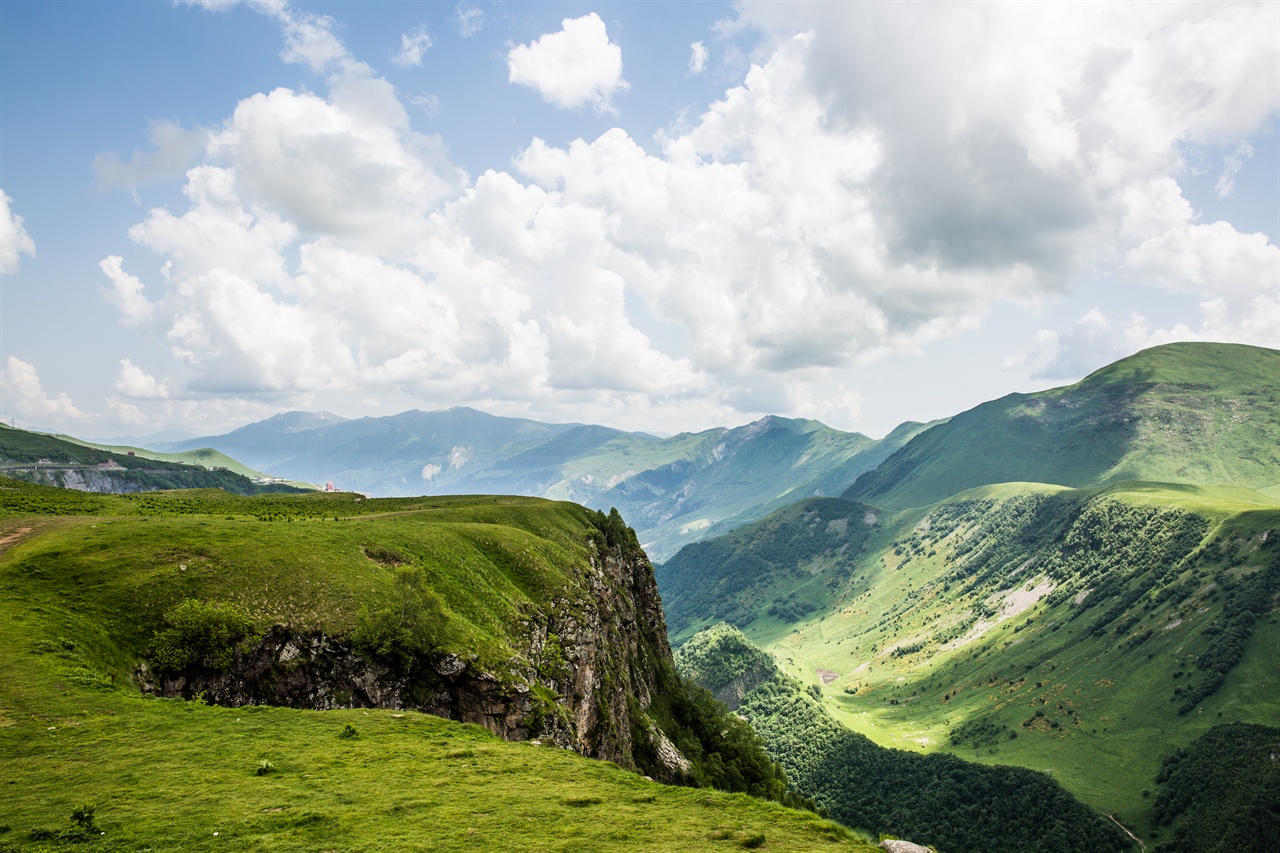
655 216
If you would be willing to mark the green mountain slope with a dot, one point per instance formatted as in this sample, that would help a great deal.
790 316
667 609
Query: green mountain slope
673 490
535 619
205 457
1181 413
772 572
937 799
1086 632
37 457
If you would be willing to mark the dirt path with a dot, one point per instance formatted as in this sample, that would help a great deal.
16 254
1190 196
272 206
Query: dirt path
13 538
1141 846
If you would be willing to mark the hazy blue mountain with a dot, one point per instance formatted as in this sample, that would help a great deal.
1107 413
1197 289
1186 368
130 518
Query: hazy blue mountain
673 490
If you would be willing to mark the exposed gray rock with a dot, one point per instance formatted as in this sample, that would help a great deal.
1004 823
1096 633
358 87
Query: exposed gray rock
895 846
601 649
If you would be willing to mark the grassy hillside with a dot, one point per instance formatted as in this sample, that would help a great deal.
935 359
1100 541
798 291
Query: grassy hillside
1084 632
89 585
1199 413
168 775
769 574
958 806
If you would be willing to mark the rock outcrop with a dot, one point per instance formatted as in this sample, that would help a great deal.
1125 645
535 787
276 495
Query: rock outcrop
592 664
895 846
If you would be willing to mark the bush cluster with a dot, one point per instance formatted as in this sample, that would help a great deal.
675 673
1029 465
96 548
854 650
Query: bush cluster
201 634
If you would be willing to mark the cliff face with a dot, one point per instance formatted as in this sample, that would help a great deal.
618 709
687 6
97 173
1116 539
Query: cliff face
592 665
81 479
117 480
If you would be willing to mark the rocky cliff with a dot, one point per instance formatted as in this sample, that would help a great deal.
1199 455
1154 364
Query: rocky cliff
585 676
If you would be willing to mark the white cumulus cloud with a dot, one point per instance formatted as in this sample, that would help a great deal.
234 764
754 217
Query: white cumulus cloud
697 57
1231 166
24 395
573 68
126 292
880 179
174 148
132 381
14 240
469 19
412 47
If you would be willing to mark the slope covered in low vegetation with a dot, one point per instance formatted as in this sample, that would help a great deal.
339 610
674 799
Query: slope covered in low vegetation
1195 413
198 584
1078 631
938 799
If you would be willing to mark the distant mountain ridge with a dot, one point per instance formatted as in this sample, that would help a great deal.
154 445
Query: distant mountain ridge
1196 413
673 490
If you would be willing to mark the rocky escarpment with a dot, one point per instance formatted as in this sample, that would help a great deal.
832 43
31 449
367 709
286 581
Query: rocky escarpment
113 479
586 679
81 478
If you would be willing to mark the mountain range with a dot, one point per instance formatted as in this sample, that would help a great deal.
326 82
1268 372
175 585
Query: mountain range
673 490
1077 588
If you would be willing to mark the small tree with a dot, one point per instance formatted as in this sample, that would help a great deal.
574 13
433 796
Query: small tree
406 624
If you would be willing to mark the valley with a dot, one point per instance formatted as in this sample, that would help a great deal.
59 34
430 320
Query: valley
1028 626
1086 627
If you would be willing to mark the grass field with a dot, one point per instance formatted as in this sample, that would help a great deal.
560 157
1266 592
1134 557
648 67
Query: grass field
168 775
80 596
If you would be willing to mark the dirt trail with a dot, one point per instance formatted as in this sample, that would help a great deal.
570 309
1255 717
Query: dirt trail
1141 846
13 538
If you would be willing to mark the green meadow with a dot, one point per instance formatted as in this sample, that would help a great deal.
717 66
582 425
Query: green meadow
91 763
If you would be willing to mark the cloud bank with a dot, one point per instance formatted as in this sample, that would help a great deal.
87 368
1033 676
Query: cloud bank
882 177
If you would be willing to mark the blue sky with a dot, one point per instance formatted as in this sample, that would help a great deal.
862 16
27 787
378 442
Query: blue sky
654 216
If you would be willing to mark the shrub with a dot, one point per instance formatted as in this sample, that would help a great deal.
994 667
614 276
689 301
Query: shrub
200 633
405 624
348 732
385 555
